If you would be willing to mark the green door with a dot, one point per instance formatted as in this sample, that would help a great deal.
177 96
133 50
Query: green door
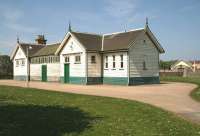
44 73
66 73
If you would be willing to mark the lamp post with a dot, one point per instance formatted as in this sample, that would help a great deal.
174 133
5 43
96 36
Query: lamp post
28 65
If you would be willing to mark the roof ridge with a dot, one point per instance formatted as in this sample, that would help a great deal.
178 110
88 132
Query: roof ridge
31 43
52 44
87 33
121 32
35 44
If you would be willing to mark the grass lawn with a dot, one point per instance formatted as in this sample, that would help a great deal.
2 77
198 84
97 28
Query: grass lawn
196 80
34 112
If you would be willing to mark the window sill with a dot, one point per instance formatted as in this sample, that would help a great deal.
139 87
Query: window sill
121 69
93 62
114 69
105 68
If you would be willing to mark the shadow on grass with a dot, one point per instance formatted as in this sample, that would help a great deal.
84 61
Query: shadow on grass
34 120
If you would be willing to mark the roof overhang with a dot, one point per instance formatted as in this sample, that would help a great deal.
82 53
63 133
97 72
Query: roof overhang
64 41
154 40
15 51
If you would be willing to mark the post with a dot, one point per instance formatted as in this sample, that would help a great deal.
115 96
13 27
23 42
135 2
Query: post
27 77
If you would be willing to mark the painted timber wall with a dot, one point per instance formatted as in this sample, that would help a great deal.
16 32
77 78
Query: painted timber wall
143 51
53 72
94 69
77 71
115 75
20 70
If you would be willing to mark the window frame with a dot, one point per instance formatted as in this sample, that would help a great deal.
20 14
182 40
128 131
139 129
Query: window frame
121 61
144 65
22 62
17 63
114 62
77 59
68 59
93 59
106 62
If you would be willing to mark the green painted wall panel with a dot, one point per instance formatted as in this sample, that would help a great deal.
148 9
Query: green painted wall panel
144 80
94 80
20 78
74 80
77 80
115 80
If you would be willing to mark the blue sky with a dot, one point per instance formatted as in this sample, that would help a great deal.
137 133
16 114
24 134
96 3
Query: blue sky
176 23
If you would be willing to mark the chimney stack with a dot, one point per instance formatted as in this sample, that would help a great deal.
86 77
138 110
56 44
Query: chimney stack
41 39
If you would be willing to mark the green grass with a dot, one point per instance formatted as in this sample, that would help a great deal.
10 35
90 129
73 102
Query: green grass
34 112
196 80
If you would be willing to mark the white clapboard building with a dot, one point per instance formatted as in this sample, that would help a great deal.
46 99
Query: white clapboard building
122 58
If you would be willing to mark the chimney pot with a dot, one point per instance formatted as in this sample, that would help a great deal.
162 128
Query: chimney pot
41 39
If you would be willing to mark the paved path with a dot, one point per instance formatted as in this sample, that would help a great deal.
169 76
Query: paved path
170 96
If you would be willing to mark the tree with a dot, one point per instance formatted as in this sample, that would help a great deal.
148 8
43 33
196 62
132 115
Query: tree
6 67
166 65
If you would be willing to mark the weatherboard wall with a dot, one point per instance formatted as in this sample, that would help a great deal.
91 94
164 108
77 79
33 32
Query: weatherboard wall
115 75
94 69
77 71
143 50
53 72
20 71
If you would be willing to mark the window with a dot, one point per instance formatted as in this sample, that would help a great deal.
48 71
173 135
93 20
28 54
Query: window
45 59
106 62
50 59
93 59
78 59
17 63
23 62
144 65
113 61
122 61
67 59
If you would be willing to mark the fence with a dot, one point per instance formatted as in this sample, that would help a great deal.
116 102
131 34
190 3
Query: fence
187 73
170 73
194 74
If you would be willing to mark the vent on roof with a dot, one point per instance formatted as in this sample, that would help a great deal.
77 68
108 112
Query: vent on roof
41 39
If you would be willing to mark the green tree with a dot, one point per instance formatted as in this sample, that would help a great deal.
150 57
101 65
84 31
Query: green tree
6 67
166 65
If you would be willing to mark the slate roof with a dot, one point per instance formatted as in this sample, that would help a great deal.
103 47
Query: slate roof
120 40
47 50
89 41
92 42
33 50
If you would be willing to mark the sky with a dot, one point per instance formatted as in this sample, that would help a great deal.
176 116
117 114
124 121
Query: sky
175 23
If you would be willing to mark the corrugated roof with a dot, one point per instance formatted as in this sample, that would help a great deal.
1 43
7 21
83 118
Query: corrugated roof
89 41
120 40
47 50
